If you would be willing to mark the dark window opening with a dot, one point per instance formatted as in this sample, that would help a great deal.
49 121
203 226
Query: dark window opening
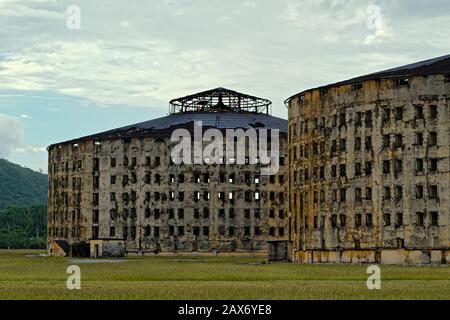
434 193
343 195
399 114
419 139
433 112
196 231
399 220
398 142
434 219
386 167
419 166
433 139
368 119
368 168
147 231
369 221
386 117
420 219
387 194
343 220
334 221
368 143
401 82
419 192
387 219
180 214
386 141
357 86
433 165
418 112
358 144
96 164
343 170
398 166
398 193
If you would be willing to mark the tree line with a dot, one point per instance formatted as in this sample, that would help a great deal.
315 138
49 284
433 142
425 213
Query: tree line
23 227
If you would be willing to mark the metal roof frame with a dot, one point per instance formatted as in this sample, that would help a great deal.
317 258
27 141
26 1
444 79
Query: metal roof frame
220 100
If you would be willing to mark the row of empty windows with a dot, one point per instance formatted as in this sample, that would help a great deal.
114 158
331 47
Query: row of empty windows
155 162
180 231
63 232
204 213
388 166
249 196
340 195
197 178
366 220
363 118
317 149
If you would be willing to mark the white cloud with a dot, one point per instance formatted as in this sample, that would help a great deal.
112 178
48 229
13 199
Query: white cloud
28 9
130 74
11 138
11 133
147 52
29 149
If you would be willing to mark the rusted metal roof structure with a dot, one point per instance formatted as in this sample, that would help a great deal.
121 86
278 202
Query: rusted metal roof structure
219 108
440 65
218 100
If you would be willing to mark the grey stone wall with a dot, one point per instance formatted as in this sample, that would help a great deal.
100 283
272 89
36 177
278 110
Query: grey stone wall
369 166
128 189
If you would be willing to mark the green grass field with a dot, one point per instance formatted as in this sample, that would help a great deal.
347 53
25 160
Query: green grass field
24 276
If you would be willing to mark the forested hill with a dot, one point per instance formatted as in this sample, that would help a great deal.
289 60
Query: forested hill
20 186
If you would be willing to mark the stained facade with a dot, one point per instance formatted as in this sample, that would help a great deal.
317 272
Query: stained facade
119 192
369 163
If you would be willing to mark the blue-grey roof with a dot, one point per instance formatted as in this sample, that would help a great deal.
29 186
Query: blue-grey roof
223 120
163 127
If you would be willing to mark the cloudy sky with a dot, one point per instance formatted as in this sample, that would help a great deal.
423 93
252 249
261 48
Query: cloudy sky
129 58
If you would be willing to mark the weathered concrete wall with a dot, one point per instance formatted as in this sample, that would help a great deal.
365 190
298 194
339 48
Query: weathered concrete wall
129 190
107 248
360 176
278 250
383 256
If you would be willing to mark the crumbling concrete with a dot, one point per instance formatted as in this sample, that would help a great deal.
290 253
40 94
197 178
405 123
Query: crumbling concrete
121 193
370 172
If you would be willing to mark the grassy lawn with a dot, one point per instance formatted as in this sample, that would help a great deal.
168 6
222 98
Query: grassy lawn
25 276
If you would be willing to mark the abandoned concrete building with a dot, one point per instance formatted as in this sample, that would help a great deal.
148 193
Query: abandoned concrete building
369 168
119 192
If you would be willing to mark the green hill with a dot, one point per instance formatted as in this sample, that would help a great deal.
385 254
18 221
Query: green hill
20 186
